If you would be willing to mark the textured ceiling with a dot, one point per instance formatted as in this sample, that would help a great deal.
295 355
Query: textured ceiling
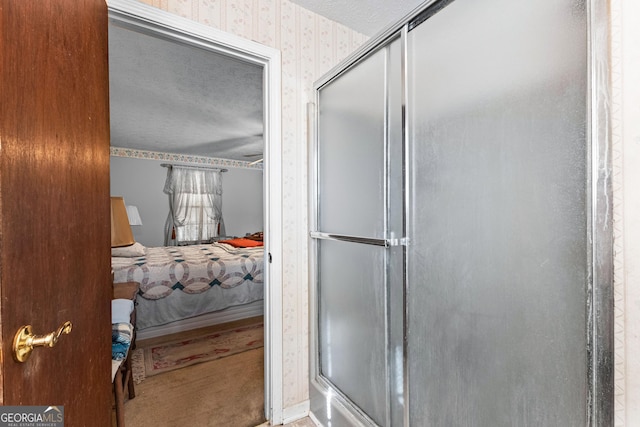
176 98
365 16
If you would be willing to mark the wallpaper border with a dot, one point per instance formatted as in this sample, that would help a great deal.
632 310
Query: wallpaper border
182 158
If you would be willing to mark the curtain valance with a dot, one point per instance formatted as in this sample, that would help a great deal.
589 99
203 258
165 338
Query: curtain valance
193 181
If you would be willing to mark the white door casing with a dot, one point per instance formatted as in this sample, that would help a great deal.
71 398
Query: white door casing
145 17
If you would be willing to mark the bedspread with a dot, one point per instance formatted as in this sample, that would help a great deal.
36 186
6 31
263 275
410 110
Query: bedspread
190 269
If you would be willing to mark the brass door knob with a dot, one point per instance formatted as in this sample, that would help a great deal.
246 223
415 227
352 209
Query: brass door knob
24 340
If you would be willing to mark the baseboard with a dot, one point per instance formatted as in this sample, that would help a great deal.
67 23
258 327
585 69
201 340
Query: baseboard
295 412
315 420
230 314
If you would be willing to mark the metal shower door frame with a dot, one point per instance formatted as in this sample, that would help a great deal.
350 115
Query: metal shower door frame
599 309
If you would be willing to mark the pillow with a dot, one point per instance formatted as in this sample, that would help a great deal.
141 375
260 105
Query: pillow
241 243
135 250
255 236
121 310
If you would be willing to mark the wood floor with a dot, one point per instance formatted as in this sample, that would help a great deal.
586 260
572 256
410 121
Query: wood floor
197 332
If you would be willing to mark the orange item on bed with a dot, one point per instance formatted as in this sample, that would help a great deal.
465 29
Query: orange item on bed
242 243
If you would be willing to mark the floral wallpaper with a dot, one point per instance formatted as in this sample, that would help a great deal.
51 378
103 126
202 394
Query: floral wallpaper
625 143
181 158
618 266
310 45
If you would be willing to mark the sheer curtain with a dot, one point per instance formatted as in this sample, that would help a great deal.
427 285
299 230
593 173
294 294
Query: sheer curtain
195 205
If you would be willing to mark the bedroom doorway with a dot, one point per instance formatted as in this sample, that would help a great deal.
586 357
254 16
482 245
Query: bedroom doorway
136 17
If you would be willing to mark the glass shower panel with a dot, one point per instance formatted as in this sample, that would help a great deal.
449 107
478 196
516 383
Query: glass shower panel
499 255
352 187
351 151
352 323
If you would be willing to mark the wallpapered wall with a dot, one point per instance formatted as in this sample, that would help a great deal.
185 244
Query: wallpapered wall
625 135
310 45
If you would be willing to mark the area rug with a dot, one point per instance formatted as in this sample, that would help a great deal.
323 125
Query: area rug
172 355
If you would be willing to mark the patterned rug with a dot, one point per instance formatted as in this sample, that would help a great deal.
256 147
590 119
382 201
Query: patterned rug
172 355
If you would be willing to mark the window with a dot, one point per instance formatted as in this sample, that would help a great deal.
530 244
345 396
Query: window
198 225
195 205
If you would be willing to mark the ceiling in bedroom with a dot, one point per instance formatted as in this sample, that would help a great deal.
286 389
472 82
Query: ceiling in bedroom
171 97
176 98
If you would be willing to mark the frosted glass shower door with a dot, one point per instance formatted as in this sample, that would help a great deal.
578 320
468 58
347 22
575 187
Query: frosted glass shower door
499 253
353 256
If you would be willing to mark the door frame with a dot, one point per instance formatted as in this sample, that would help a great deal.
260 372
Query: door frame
600 304
156 21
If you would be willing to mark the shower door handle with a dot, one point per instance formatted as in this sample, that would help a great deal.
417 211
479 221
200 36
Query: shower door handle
358 239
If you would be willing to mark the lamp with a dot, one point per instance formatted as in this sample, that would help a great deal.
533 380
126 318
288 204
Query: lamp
121 234
134 215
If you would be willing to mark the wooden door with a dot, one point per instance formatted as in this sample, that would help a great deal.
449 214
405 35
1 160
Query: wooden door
54 204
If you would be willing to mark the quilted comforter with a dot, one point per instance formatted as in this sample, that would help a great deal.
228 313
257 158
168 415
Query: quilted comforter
190 269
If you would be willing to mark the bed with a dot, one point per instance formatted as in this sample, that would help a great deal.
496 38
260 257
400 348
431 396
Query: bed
185 287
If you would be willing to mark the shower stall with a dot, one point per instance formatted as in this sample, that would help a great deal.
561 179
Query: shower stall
461 256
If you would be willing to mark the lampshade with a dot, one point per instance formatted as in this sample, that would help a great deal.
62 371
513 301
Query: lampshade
121 234
134 215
